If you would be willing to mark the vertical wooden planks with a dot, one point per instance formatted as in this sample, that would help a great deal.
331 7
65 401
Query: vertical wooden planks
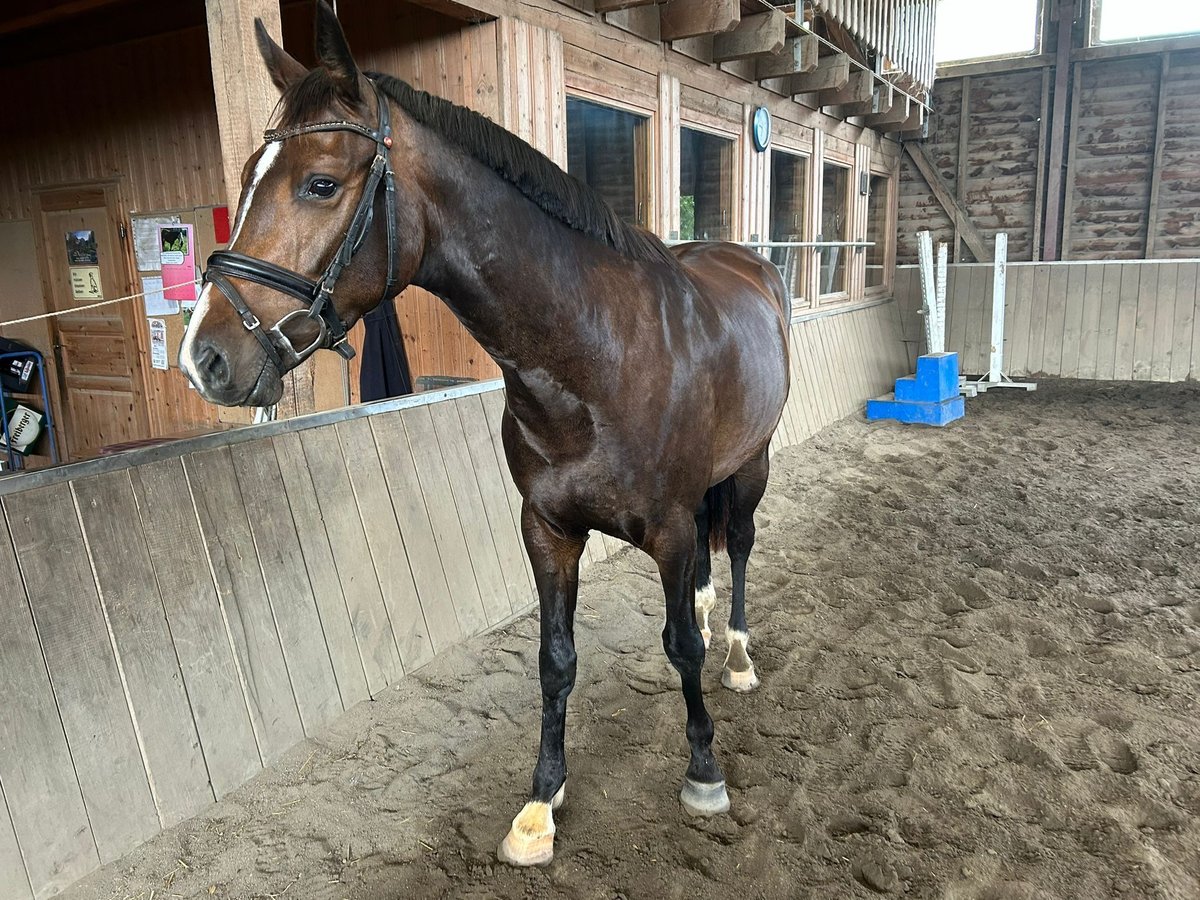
351 552
1185 353
317 558
1056 313
1127 310
376 497
1164 321
1143 332
468 498
37 776
1089 338
285 578
137 622
248 614
491 476
83 671
1072 335
202 643
1110 304
1038 315
493 407
14 881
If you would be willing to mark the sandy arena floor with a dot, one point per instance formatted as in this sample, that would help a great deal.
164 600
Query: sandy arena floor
980 656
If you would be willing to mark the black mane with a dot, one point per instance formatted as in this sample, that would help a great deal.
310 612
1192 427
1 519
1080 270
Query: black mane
559 195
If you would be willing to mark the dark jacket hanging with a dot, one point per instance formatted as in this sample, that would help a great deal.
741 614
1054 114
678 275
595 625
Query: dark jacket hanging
384 363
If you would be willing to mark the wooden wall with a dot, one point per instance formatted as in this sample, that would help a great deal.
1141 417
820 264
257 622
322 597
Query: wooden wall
1132 185
1111 321
175 619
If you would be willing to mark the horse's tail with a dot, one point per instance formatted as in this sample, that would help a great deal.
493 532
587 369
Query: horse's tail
719 502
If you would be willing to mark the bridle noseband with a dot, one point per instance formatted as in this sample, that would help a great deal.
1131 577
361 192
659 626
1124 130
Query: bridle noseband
318 295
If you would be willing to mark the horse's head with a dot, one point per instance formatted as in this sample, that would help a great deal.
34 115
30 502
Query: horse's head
320 205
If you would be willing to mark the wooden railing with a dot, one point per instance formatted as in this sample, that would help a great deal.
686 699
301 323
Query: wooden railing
901 31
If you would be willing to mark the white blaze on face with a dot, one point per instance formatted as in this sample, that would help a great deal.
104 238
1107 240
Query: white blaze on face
187 347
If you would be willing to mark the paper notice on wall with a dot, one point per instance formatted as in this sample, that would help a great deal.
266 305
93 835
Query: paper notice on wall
177 250
145 240
158 343
156 303
85 283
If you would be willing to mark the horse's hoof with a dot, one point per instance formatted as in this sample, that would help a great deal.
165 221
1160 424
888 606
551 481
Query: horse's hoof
559 797
742 682
530 841
704 799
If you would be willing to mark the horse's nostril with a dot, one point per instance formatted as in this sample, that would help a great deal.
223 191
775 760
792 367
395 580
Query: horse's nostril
213 365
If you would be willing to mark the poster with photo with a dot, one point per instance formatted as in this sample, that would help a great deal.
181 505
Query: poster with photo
177 252
81 248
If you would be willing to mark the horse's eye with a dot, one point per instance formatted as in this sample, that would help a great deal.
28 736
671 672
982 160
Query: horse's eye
321 187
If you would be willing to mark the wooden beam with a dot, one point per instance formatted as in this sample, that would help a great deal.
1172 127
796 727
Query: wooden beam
945 197
899 114
680 19
760 35
881 101
1039 191
1156 169
859 88
1052 233
964 136
915 127
831 73
1072 150
604 6
799 55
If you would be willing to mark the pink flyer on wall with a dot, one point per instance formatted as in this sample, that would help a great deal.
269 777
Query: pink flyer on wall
177 250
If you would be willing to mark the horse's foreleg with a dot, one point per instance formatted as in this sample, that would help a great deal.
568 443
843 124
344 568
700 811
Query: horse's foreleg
555 560
706 595
749 484
674 549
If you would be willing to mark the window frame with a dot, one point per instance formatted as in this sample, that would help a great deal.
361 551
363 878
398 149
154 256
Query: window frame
650 120
1042 18
735 139
848 259
1092 9
803 256
889 231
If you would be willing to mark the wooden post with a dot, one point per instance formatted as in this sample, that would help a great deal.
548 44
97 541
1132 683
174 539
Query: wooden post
245 98
244 93
1156 169
1052 233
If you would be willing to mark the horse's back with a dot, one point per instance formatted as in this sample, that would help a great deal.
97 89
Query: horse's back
746 311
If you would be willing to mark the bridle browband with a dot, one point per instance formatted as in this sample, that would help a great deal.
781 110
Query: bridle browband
318 295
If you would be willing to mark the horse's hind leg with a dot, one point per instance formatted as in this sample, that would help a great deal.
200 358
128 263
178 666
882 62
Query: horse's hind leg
749 484
706 595
555 561
673 547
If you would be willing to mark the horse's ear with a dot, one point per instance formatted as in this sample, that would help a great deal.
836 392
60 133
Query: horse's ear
284 68
334 53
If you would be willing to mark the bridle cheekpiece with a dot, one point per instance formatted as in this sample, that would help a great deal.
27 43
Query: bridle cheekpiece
318 295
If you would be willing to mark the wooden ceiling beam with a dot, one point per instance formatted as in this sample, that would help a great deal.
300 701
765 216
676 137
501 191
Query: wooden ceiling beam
881 101
679 19
799 55
831 73
859 88
760 35
604 6
898 114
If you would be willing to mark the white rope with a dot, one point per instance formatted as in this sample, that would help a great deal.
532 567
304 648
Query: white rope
75 309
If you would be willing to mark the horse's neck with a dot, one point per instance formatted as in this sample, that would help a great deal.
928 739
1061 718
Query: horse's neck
514 276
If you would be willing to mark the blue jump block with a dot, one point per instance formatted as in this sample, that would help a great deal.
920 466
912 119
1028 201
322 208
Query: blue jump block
936 380
922 412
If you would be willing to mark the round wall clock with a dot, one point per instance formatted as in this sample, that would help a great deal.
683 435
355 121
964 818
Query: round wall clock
760 128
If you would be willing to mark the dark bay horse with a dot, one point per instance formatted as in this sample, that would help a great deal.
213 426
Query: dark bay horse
643 384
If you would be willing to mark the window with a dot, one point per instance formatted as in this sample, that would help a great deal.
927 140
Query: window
1137 20
789 196
969 29
835 203
705 186
608 150
878 204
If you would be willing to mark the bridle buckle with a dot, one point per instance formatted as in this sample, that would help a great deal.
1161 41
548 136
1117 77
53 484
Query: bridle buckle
251 322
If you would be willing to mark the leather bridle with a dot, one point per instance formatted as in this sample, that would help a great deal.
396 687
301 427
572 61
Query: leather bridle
318 295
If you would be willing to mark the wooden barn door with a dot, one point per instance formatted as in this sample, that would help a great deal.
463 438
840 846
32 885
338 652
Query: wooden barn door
97 355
